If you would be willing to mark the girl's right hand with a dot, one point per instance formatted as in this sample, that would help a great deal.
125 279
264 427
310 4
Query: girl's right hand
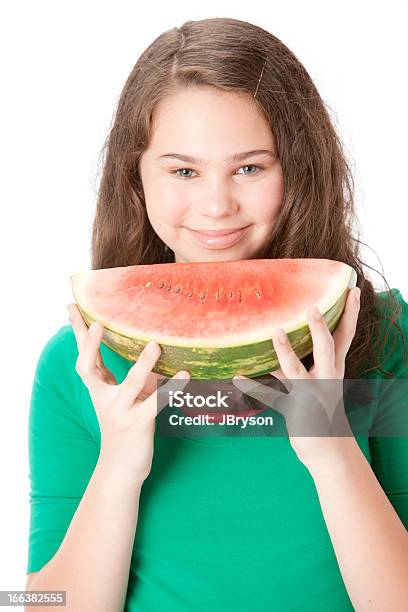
126 412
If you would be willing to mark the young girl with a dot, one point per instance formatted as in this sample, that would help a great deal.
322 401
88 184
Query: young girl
219 128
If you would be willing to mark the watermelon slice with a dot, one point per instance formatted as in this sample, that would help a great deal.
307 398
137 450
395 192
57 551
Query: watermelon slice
214 319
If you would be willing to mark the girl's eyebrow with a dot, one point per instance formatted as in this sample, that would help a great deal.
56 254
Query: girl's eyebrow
230 159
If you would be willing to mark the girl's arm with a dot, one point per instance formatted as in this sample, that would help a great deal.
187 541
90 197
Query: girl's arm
369 539
92 564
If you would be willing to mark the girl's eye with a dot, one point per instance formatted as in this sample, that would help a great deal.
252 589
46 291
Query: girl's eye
189 169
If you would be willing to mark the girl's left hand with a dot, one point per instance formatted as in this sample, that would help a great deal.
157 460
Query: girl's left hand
313 408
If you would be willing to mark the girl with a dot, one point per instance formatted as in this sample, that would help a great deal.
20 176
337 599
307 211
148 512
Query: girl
218 127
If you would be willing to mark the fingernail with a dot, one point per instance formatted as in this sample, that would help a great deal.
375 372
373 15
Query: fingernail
182 374
316 314
93 330
150 347
282 337
238 377
357 295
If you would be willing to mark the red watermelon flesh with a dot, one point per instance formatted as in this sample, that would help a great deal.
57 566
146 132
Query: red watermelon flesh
211 317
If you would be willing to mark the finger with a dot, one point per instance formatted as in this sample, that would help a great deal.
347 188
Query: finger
78 324
289 362
263 393
80 329
107 375
138 374
275 399
323 344
159 399
86 362
346 329
278 374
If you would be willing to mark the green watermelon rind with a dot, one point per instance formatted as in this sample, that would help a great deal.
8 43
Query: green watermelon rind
216 362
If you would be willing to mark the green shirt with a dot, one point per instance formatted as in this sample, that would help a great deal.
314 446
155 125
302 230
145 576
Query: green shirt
225 523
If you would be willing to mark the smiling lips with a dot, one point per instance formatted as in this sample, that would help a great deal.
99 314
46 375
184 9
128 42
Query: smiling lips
219 239
221 232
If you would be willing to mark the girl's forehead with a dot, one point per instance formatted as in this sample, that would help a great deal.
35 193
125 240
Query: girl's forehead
192 100
195 122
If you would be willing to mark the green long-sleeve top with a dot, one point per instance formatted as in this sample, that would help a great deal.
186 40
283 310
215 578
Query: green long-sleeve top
225 523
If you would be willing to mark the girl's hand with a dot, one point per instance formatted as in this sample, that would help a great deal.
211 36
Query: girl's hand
313 409
126 412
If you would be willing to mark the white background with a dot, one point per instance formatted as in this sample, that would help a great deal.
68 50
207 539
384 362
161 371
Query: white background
63 67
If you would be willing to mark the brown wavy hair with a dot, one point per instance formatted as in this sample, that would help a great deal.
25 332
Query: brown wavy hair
318 212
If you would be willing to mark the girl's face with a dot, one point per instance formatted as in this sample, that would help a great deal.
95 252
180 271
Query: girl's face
211 192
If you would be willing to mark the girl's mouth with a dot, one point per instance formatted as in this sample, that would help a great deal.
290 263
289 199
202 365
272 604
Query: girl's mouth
219 242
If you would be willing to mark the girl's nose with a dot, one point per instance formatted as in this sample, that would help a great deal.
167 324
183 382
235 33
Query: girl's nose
217 204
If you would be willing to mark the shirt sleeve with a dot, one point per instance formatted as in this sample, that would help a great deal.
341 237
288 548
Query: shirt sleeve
62 451
389 439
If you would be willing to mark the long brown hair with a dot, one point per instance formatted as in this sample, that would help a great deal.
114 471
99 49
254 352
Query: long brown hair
317 215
